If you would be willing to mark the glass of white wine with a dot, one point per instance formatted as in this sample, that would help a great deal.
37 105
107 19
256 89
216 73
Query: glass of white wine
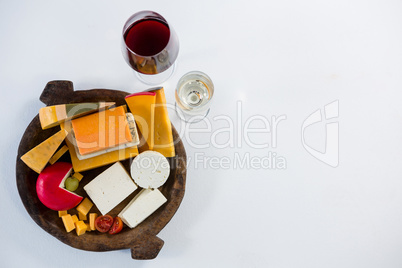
194 92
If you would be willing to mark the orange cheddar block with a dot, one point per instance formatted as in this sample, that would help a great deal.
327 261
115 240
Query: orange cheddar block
102 130
96 161
85 206
62 213
163 137
80 227
82 217
88 227
68 222
142 106
75 218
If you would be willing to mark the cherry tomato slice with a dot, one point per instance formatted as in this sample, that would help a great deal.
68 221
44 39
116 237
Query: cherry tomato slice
117 226
103 223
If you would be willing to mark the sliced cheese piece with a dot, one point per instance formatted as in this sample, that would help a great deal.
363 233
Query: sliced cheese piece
163 137
38 157
80 227
51 116
142 206
62 213
97 161
100 131
92 218
58 154
142 106
135 141
150 169
78 176
68 222
110 187
85 206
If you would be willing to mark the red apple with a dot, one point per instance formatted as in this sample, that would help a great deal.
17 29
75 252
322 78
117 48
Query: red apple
49 187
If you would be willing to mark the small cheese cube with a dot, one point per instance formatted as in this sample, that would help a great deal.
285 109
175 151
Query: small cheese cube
82 217
62 213
110 187
68 222
88 227
78 176
85 206
58 154
81 227
75 218
92 218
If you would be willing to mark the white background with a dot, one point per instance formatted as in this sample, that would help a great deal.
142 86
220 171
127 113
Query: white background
276 57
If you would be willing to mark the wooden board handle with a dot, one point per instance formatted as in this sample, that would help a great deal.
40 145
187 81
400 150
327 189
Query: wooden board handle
57 92
146 247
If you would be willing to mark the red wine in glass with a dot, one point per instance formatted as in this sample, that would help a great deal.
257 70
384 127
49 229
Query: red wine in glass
150 45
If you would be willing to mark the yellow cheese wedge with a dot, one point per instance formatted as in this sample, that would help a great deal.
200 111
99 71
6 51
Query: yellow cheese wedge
85 206
92 218
163 138
68 222
142 106
58 154
78 176
82 217
80 227
62 213
96 161
51 116
38 157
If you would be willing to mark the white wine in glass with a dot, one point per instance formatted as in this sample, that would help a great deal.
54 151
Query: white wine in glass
194 92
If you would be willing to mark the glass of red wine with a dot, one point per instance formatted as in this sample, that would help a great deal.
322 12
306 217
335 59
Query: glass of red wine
150 46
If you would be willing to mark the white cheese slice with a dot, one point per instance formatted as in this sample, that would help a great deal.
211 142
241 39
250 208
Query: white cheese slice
150 169
110 187
142 206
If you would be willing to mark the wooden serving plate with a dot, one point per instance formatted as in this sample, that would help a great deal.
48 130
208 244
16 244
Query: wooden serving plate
142 240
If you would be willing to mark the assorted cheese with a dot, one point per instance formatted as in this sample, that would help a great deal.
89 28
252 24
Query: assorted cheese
38 157
97 135
150 169
97 161
51 116
110 187
142 206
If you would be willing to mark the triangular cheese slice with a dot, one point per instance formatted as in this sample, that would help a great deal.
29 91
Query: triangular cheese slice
38 157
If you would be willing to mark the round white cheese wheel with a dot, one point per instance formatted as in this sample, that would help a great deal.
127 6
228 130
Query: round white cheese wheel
150 169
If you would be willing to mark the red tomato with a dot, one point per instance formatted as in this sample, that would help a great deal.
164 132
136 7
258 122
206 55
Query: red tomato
117 226
103 223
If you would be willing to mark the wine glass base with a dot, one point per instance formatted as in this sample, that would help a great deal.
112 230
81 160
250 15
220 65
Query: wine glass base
156 79
190 118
